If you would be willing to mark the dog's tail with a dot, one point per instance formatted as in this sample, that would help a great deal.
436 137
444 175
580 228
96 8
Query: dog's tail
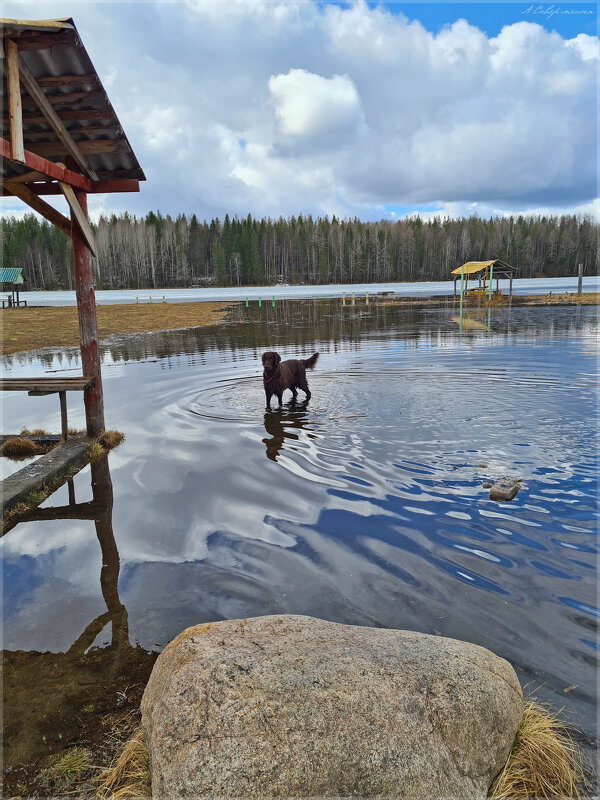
309 363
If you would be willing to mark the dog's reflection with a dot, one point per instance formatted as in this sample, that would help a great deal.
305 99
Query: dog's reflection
279 425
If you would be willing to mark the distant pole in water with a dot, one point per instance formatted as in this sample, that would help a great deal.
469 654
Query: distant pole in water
343 298
580 280
489 315
259 302
246 302
353 300
273 301
367 298
462 277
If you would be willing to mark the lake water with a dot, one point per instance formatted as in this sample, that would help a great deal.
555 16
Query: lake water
365 506
521 286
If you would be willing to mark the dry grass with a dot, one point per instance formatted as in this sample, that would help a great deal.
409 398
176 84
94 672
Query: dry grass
20 448
129 776
34 432
110 439
32 328
568 298
544 762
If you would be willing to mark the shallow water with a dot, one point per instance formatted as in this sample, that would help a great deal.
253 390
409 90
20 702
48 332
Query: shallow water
364 506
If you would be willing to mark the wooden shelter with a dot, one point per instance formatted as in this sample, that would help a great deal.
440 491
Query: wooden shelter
10 280
484 270
61 136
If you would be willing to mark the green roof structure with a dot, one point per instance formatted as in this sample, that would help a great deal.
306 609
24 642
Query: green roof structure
11 275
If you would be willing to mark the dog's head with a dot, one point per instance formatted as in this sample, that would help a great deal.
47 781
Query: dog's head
270 361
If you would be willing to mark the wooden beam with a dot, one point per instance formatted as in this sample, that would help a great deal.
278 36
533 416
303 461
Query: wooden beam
63 80
75 97
30 136
75 114
48 168
27 177
79 215
88 146
39 205
55 123
43 41
17 148
88 330
98 187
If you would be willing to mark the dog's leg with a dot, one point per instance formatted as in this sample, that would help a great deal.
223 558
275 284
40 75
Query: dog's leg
280 398
269 395
303 384
294 393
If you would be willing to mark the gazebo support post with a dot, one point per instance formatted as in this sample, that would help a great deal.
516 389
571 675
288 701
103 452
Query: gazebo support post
88 330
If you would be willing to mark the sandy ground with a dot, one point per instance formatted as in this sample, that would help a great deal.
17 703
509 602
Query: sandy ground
57 326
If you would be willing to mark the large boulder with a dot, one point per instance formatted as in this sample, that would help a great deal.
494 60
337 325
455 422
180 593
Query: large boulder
292 706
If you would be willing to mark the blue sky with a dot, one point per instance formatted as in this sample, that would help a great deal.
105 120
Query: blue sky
567 19
279 107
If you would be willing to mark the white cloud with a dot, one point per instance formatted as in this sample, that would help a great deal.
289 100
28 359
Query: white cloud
274 107
310 105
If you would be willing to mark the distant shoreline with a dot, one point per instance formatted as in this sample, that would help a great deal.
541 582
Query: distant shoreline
33 328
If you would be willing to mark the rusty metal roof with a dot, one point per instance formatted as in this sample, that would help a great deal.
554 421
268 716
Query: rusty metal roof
55 55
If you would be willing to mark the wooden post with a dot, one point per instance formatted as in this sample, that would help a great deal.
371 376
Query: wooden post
490 286
455 286
580 279
63 415
88 331
510 286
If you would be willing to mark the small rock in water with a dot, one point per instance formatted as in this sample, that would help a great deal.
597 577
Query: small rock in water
487 485
504 489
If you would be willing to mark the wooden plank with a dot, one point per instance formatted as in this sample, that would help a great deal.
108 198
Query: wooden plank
88 330
98 187
17 148
48 168
45 384
31 136
41 206
36 475
67 115
71 147
63 80
87 146
80 217
43 41
27 177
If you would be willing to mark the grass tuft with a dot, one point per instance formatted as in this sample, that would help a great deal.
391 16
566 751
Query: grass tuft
110 439
66 771
544 762
95 451
129 776
19 448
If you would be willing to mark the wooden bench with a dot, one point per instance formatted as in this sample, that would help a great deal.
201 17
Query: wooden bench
38 387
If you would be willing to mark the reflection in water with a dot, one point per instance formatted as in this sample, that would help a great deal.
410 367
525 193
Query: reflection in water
369 506
52 700
279 425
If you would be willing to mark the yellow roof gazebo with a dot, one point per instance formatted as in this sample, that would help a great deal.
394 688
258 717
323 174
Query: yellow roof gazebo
495 268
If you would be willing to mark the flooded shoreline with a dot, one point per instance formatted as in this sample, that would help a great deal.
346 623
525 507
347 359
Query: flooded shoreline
364 506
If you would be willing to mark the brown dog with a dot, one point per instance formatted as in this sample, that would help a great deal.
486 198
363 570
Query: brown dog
280 375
